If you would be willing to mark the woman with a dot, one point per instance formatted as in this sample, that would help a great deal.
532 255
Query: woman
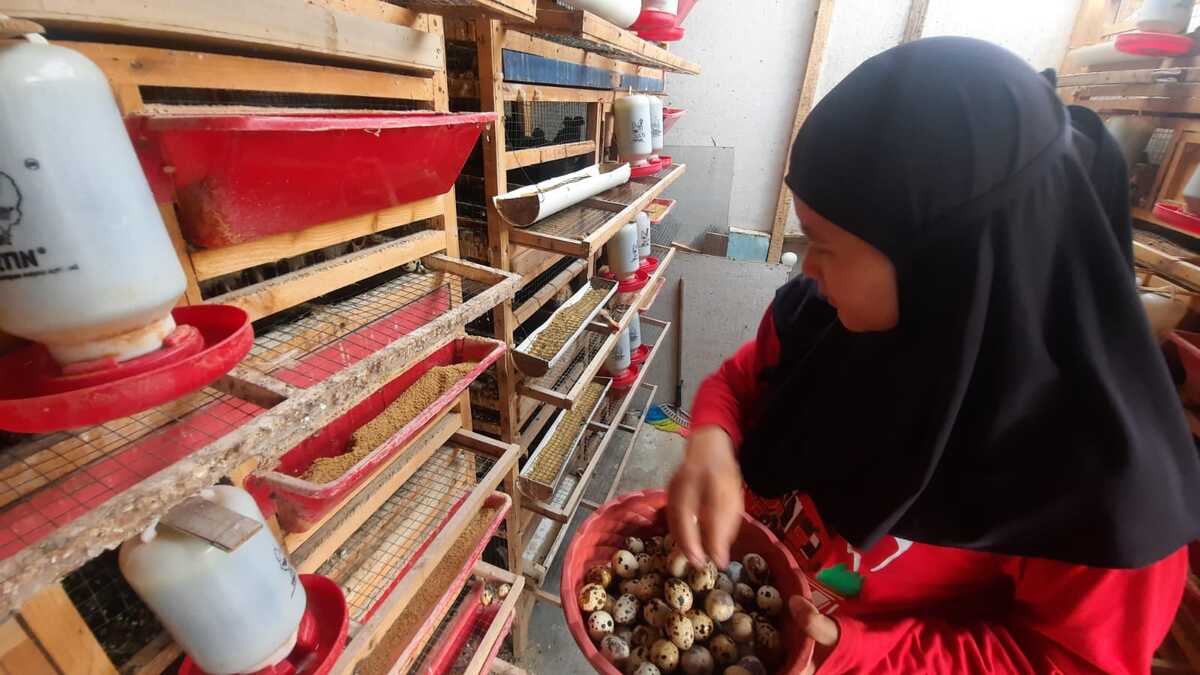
957 418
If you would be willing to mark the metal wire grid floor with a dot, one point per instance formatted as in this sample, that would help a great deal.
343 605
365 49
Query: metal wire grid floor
574 223
335 336
52 480
423 663
536 124
380 552
625 194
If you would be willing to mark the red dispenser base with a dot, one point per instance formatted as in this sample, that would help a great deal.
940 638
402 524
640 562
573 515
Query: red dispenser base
1154 45
322 635
633 284
37 396
640 355
1176 215
648 169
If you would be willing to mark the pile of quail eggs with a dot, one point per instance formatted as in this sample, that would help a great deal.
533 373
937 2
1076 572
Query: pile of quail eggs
652 613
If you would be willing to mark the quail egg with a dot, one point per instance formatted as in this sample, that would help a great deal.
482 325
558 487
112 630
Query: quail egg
678 594
677 564
634 545
645 563
624 632
724 583
766 636
665 655
503 590
679 630
647 668
655 545
736 572
752 665
702 625
756 568
592 597
625 564
703 579
614 649
600 574
744 594
697 661
741 627
719 606
625 611
656 612
646 590
723 650
644 636
769 600
628 586
487 596
599 624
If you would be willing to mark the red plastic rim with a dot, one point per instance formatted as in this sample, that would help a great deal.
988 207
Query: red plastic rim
1142 43
654 18
648 169
671 115
322 632
227 336
1177 216
312 121
183 342
649 265
643 514
639 356
672 34
624 380
631 285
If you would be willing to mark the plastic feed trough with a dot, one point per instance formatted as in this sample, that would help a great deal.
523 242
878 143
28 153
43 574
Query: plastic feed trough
644 514
301 504
241 177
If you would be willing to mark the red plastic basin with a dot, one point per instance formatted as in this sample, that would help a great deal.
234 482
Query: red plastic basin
241 177
644 514
301 504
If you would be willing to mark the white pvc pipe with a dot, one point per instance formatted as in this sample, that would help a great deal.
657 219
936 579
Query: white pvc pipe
525 206
620 12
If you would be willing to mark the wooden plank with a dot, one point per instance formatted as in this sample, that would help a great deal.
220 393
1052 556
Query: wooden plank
1139 76
53 621
366 639
223 528
614 41
1181 270
154 658
914 25
147 66
465 269
514 91
285 26
524 43
523 11
288 290
530 156
480 444
191 292
215 262
545 395
531 262
549 242
19 654
808 95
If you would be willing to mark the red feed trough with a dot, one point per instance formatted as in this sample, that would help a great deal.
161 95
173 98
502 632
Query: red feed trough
241 177
644 514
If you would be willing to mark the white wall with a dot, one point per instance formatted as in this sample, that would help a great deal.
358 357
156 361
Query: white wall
752 54
1037 30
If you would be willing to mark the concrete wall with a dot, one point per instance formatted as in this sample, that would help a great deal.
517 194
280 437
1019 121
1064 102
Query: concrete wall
753 57
1037 30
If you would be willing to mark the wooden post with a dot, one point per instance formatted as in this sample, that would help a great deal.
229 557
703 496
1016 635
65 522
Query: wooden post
52 620
808 94
915 25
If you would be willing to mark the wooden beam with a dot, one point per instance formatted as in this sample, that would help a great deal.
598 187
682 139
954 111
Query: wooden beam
601 36
914 26
51 618
281 26
543 295
288 290
147 66
513 91
521 11
214 262
20 654
531 156
808 94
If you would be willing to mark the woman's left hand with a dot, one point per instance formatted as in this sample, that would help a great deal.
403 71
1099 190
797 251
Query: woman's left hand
822 629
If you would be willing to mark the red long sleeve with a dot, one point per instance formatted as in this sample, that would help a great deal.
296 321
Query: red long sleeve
907 607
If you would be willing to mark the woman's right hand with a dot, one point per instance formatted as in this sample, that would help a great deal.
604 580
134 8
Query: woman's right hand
705 497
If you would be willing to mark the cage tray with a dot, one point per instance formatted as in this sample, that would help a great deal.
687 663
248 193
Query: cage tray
534 366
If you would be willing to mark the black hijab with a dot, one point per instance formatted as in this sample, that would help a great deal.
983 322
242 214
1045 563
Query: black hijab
1021 405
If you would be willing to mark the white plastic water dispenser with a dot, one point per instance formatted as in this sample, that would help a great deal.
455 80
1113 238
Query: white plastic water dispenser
622 251
232 612
86 265
634 141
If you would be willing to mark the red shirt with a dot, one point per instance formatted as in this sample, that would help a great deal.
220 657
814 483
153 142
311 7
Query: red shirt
907 607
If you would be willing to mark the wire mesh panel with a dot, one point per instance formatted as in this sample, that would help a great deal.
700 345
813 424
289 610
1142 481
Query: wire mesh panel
380 552
625 194
535 124
428 652
1160 142
335 336
52 480
573 223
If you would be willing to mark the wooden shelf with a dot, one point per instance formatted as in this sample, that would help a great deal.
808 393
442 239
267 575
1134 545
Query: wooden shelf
523 355
261 410
547 538
309 31
462 507
584 30
562 386
582 230
544 490
559 508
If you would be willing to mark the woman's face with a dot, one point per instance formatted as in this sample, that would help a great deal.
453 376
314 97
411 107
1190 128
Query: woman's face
854 277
